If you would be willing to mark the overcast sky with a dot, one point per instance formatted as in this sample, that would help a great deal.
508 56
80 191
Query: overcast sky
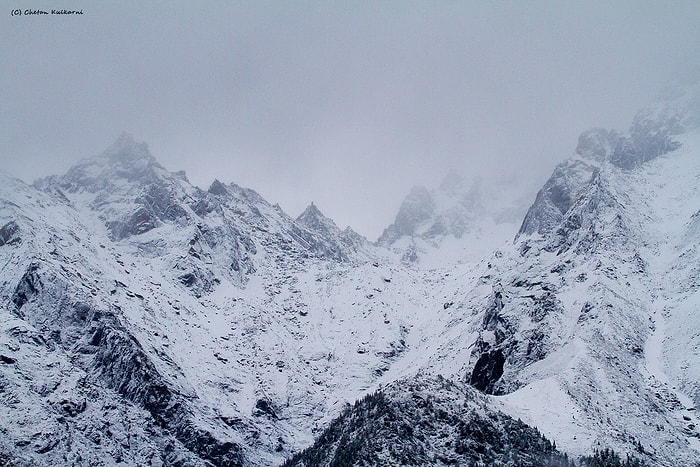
347 104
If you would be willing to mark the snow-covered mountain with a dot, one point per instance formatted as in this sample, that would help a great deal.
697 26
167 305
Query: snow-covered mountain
232 330
572 323
145 321
456 222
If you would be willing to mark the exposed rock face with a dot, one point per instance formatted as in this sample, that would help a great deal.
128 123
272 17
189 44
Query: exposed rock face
27 287
650 135
105 254
557 196
218 188
144 321
449 210
515 333
9 234
415 209
329 241
109 355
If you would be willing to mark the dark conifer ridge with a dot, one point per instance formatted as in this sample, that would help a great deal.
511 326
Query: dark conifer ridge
609 458
428 421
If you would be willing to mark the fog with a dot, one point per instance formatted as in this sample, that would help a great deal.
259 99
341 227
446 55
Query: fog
347 104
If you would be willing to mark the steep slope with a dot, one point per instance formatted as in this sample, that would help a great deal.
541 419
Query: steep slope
457 222
77 386
570 324
147 321
629 229
238 330
568 327
335 240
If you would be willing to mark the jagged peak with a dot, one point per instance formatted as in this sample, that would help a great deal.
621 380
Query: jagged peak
651 133
126 148
418 206
418 192
218 188
124 161
598 144
311 210
351 232
312 217
557 196
124 158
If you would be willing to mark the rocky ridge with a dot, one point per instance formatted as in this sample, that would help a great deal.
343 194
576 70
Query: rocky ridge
147 321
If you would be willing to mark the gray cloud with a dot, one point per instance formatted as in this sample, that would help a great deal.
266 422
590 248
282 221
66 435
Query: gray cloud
347 104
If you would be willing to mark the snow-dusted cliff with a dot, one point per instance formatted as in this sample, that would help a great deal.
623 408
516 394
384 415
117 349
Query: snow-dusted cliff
145 321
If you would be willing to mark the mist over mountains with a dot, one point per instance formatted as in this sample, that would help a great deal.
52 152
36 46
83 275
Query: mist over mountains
147 321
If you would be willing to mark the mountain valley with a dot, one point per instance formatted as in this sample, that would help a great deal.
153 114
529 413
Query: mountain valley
145 321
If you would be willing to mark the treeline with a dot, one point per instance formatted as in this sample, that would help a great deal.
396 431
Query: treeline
609 458
427 426
431 421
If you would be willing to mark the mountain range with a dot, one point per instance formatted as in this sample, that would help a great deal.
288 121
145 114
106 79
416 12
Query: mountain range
145 321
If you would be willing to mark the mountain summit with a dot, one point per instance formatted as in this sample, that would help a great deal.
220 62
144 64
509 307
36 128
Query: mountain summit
145 321
455 222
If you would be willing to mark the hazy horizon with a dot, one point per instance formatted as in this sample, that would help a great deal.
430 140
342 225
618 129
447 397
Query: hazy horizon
345 105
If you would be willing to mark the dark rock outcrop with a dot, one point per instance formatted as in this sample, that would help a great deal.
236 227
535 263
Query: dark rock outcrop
28 285
217 188
487 371
513 335
9 234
